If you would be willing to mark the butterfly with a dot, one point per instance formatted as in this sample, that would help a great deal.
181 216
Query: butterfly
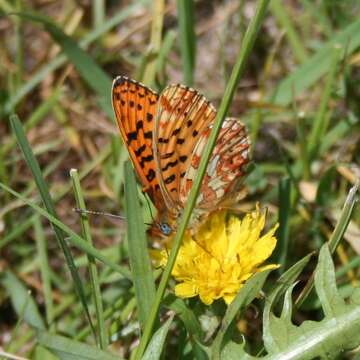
165 135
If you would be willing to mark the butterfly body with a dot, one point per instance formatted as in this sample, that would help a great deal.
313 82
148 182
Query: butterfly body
166 135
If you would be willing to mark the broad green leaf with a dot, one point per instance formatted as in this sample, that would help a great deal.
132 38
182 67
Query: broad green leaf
42 353
67 349
234 351
22 301
325 284
338 331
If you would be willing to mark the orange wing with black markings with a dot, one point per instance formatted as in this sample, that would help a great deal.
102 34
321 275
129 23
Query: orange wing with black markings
135 109
183 115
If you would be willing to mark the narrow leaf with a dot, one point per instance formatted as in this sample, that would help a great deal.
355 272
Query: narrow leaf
157 343
67 349
245 296
138 252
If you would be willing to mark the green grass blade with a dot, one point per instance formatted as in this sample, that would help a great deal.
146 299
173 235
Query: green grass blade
278 9
98 12
68 349
239 67
316 66
320 122
94 278
335 238
74 238
138 252
158 10
162 59
49 205
157 343
344 219
45 271
186 22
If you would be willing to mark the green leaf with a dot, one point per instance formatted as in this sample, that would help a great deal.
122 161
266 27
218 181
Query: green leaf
344 219
186 315
22 301
234 351
325 284
138 252
286 279
328 338
67 349
245 296
157 342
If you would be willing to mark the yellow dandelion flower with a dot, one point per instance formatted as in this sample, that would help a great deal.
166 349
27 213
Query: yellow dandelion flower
215 262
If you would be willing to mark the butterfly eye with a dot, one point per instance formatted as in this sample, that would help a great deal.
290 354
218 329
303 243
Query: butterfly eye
165 228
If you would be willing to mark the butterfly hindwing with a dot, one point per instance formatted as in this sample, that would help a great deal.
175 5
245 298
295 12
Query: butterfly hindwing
226 166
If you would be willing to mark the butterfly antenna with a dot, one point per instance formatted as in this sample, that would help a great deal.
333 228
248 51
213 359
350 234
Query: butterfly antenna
91 212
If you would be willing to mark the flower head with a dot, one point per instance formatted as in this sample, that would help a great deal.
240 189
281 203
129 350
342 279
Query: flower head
215 262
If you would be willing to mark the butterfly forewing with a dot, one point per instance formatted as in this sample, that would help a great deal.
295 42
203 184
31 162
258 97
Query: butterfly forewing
135 109
183 114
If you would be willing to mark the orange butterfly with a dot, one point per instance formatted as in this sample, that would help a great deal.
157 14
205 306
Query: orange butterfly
165 135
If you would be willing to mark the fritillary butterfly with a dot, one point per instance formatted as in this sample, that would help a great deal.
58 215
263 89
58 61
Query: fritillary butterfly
165 135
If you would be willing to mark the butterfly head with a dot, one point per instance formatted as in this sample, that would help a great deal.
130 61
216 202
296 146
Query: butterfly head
165 228
162 228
